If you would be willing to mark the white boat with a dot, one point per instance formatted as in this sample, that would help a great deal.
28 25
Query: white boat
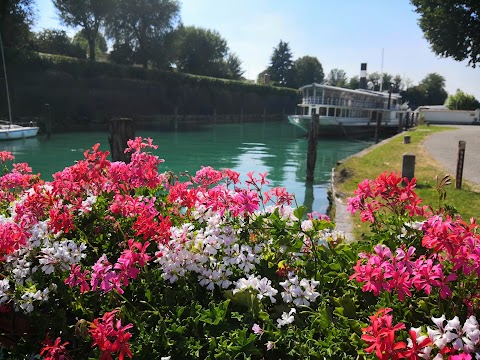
349 112
9 130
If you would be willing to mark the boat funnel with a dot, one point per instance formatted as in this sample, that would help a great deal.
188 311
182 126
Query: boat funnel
363 76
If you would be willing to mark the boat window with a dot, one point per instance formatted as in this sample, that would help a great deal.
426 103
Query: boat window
347 113
331 111
323 111
339 111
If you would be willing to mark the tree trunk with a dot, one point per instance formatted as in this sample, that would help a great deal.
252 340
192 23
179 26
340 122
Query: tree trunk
91 47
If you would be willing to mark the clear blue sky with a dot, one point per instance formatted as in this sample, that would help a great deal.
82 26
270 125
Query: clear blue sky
341 34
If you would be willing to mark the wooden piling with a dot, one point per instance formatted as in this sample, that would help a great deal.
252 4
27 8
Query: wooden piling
121 130
408 167
460 160
377 127
312 146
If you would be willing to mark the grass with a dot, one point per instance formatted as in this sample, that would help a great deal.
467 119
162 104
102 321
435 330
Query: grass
388 157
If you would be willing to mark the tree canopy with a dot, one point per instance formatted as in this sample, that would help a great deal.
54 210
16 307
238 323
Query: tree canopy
52 41
462 101
88 14
308 70
146 26
452 27
16 17
430 91
200 51
281 65
337 77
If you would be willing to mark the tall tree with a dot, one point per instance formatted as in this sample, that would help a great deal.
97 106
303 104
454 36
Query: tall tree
88 14
462 101
81 41
308 70
281 65
16 18
452 27
200 51
337 77
147 26
398 84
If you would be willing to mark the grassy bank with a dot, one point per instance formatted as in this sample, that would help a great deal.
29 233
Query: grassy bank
388 157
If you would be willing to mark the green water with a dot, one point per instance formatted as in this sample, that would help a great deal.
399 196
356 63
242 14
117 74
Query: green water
274 147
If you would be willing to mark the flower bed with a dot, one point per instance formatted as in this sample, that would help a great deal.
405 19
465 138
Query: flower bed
114 260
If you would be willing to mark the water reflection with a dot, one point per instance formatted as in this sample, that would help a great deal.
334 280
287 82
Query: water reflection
273 147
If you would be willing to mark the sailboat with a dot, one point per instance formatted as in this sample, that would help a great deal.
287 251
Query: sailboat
9 130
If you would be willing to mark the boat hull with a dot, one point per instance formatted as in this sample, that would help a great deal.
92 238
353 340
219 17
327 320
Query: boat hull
20 132
330 126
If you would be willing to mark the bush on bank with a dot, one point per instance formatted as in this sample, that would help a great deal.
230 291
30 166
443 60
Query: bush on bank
114 260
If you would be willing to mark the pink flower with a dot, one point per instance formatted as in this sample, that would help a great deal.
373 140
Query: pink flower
257 329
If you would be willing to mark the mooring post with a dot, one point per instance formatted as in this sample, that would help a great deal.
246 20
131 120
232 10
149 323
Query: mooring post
406 139
400 123
460 160
377 128
408 167
312 146
121 130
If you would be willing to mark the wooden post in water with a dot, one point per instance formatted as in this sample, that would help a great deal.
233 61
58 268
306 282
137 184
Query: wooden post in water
460 159
377 127
312 146
121 130
400 123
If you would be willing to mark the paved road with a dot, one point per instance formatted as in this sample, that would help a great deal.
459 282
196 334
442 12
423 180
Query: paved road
443 147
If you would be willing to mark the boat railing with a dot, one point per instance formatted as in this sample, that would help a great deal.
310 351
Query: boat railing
317 100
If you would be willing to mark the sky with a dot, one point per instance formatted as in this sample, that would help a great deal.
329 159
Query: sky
341 34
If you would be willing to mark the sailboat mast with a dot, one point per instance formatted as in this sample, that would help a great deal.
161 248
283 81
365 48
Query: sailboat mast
6 82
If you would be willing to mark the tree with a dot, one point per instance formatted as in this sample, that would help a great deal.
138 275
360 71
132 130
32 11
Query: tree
452 27
281 65
430 91
81 41
147 27
233 67
354 82
308 70
52 41
88 14
16 17
462 101
263 77
201 51
374 79
337 77
397 84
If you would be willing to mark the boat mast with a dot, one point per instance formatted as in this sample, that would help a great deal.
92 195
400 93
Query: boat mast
6 82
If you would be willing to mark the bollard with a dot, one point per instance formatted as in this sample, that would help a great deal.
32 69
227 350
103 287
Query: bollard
408 167
406 139
312 146
460 159
121 130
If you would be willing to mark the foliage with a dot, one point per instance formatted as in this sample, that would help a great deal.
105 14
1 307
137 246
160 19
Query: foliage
16 17
202 52
57 42
354 82
451 27
337 77
146 26
81 41
308 70
281 65
233 67
88 14
462 101
430 91
117 259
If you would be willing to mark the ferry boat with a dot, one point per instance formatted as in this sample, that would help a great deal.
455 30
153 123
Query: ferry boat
347 112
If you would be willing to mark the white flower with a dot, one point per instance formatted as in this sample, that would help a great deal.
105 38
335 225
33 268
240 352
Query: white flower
286 318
